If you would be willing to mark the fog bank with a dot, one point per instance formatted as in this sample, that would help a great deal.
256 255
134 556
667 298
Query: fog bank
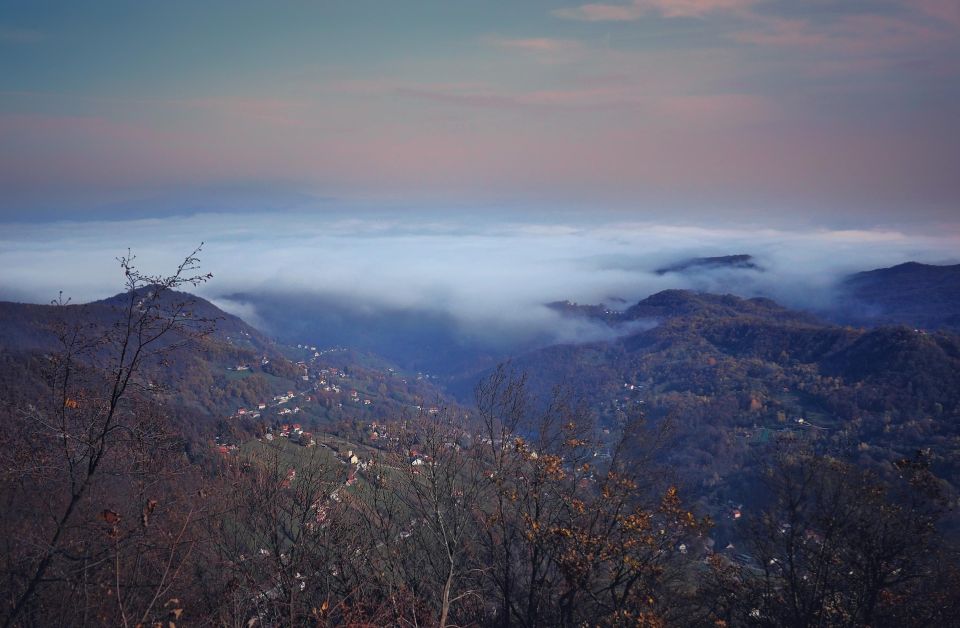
485 277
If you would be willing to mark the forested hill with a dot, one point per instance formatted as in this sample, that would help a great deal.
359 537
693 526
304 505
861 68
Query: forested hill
733 374
706 343
198 368
715 345
675 303
919 295
27 326
207 376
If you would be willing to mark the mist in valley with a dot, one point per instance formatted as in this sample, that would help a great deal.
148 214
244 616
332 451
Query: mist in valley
448 291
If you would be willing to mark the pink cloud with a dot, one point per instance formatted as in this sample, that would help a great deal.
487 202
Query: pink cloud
68 127
717 109
694 110
602 12
849 34
783 32
686 145
588 98
270 110
85 149
381 86
486 95
113 153
945 10
537 44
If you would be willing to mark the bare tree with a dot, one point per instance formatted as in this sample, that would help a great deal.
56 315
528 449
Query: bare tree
96 436
837 546
273 549
571 534
439 485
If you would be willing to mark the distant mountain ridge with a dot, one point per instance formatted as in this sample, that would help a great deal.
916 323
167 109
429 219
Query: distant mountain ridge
760 328
740 261
925 296
676 302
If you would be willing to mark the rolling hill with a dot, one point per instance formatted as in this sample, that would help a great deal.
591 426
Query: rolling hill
922 296
734 377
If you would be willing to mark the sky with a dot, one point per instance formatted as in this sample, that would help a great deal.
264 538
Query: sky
476 158
838 113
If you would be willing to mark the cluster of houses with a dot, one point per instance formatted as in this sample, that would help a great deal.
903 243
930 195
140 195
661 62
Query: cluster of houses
278 400
256 413
325 379
378 432
294 433
326 386
224 449
357 463
282 399
356 398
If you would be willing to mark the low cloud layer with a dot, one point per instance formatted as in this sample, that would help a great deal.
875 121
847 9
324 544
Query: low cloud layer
487 276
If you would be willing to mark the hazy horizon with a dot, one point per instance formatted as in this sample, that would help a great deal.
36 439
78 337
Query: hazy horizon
840 114
477 160
484 277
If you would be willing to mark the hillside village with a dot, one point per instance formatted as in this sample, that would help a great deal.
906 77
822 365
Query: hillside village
333 393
